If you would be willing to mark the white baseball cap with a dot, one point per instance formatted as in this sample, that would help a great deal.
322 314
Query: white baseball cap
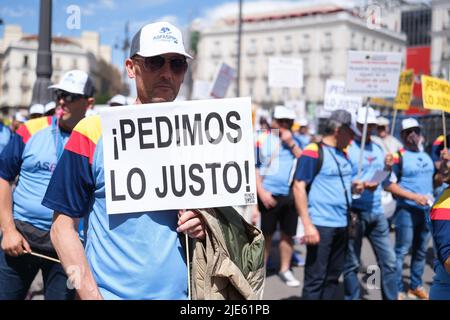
371 117
36 108
303 122
49 106
409 123
382 121
158 38
118 99
19 117
76 81
282 112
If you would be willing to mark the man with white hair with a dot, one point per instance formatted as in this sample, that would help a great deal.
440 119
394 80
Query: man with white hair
389 143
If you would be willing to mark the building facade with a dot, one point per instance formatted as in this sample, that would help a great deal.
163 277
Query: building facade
19 58
320 36
440 42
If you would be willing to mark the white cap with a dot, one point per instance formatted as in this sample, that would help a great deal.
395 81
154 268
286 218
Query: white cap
36 108
118 99
19 117
76 81
382 121
157 38
91 112
371 117
409 123
303 122
49 106
282 112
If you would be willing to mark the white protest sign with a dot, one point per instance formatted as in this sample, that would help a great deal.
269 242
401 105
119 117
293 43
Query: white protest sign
224 76
178 155
285 73
373 74
201 89
336 98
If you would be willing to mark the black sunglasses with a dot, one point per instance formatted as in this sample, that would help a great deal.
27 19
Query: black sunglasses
177 65
410 130
67 96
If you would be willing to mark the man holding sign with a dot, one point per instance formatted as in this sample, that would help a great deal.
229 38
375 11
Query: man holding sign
127 256
373 223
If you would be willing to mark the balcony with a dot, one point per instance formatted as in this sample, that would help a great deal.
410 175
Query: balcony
250 74
269 49
327 45
216 53
326 71
287 48
251 51
305 47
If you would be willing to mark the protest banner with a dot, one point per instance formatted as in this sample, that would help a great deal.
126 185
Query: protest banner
373 74
436 93
336 97
285 73
178 155
436 96
405 90
223 78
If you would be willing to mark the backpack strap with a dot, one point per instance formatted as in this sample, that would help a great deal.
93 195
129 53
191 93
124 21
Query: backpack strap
318 166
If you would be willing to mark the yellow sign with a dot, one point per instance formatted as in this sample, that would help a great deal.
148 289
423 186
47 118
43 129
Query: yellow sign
405 89
436 93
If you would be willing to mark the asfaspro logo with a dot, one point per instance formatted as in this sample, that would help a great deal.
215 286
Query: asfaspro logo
165 35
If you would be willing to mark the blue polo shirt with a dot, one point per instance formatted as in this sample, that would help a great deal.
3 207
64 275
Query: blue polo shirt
32 154
5 135
132 255
326 198
277 171
417 172
373 160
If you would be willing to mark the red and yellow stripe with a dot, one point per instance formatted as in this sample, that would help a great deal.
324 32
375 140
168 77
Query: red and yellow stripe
29 128
85 136
439 140
441 209
311 150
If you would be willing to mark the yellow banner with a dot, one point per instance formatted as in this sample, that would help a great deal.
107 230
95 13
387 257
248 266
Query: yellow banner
436 93
405 90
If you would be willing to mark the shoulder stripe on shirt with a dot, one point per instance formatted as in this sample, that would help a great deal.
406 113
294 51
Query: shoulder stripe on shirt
438 140
441 209
33 126
311 150
85 136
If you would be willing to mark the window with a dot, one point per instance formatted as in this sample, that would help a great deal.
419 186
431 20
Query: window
25 61
75 64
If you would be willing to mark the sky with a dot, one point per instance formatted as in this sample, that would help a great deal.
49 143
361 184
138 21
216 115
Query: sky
108 17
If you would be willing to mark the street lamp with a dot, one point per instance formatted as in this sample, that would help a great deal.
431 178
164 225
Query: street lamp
41 93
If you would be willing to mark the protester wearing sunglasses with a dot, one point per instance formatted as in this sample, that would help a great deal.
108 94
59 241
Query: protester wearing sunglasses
130 256
32 154
414 188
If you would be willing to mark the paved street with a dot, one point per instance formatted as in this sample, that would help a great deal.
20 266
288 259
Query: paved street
275 289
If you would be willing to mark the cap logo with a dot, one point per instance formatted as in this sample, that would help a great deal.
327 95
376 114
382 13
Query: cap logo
165 30
165 35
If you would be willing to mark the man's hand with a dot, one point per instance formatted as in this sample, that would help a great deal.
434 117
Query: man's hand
371 186
388 162
268 201
421 200
190 222
286 136
312 236
256 215
14 244
357 187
